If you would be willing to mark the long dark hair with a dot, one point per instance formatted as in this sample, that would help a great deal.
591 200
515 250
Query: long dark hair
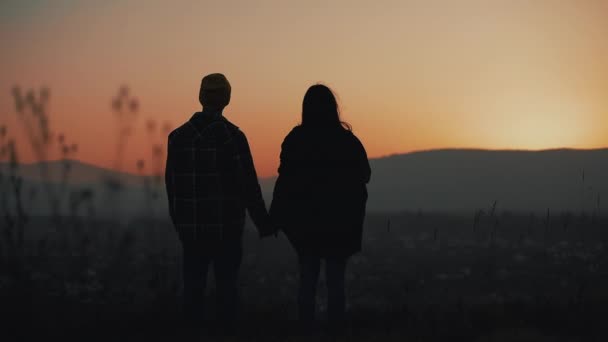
320 109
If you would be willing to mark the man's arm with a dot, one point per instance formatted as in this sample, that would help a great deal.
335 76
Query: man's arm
254 200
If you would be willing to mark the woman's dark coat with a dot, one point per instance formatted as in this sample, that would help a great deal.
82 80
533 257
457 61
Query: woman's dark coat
320 194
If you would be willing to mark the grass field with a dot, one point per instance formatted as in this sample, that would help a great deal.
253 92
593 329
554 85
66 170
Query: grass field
420 277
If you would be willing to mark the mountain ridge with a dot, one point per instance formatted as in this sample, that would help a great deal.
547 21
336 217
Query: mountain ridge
105 169
451 179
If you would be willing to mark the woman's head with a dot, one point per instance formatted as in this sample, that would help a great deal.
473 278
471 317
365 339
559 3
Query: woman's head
320 108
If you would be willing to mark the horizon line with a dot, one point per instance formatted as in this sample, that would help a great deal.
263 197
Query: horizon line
481 149
442 149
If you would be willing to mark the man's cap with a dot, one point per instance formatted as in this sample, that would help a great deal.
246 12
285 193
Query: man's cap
215 91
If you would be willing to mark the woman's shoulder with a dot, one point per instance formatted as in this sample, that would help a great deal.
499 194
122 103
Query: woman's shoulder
295 131
354 144
351 137
294 135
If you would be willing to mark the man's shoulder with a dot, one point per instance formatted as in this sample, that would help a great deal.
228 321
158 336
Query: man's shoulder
229 131
229 124
185 132
221 130
228 127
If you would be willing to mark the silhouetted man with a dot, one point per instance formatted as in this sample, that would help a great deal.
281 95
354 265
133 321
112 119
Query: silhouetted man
211 181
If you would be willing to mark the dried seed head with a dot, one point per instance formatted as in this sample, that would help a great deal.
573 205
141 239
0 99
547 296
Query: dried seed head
45 94
157 150
18 97
134 105
151 126
30 98
37 109
123 91
116 104
16 91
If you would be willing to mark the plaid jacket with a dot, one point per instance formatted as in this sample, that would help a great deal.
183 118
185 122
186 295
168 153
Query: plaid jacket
211 180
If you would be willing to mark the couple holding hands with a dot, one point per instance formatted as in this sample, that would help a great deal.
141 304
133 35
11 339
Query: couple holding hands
318 201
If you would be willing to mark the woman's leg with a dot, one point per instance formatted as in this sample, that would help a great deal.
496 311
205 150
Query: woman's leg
309 276
336 298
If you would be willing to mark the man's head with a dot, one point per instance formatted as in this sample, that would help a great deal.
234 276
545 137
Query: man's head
215 91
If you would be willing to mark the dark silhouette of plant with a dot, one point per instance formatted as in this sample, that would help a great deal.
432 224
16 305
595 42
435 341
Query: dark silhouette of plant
582 191
14 216
477 220
152 178
33 113
547 225
157 137
495 221
32 110
126 108
67 152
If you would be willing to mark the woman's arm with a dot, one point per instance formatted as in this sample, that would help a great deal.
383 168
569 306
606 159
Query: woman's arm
283 184
362 163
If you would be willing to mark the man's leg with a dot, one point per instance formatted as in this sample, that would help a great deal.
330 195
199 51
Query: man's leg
226 266
309 276
195 266
336 301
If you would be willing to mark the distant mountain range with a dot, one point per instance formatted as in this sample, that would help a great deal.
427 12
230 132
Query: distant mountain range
79 173
451 180
457 180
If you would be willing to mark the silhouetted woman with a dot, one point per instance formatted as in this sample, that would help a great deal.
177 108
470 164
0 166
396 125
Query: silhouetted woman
319 199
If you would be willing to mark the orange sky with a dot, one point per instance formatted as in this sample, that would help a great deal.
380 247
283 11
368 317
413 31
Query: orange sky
410 75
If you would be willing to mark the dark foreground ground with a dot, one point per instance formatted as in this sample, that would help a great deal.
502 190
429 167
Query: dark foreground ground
421 277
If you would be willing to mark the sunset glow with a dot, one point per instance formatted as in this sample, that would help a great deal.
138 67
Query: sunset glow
410 75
